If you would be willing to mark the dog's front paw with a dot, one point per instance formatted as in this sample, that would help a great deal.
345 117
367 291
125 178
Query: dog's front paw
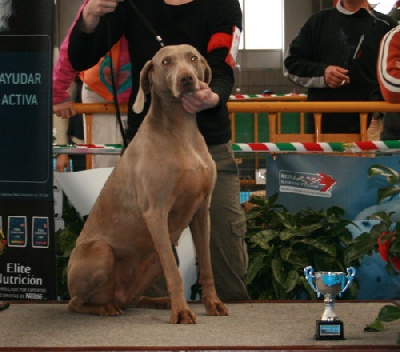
183 316
216 308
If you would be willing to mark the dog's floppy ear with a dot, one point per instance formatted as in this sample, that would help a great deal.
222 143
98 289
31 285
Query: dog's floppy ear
144 88
207 71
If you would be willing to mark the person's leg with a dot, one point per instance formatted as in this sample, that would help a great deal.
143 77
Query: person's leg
228 228
105 129
374 130
391 126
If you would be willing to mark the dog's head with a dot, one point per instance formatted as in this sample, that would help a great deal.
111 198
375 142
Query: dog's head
174 71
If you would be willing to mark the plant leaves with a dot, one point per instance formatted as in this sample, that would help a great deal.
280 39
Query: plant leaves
291 281
388 191
376 326
315 244
389 313
335 211
298 260
278 271
263 238
255 265
382 170
363 245
290 242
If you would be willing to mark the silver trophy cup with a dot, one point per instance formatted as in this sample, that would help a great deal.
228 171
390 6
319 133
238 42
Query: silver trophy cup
329 284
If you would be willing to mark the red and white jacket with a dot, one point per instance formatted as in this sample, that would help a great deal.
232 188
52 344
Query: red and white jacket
388 66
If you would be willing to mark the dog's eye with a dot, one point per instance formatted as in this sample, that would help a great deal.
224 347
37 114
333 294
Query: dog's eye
166 61
194 58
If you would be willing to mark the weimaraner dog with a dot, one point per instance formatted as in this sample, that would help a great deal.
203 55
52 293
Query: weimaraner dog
161 184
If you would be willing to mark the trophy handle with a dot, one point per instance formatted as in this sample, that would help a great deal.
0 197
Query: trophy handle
351 273
309 274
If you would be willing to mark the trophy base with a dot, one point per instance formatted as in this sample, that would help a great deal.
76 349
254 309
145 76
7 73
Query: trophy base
329 330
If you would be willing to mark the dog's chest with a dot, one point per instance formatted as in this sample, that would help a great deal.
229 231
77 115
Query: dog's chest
197 173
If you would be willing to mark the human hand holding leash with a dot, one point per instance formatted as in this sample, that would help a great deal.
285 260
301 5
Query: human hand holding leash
94 10
202 99
336 77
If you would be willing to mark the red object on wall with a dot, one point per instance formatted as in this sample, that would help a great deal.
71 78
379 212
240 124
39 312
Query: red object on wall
383 246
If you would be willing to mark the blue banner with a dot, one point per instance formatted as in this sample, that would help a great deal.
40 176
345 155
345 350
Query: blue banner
319 181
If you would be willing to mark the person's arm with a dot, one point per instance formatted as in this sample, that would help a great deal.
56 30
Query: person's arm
61 127
63 75
388 66
300 63
93 12
226 18
65 110
62 163
96 31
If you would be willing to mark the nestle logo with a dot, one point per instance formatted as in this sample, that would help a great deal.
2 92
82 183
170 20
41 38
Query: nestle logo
34 296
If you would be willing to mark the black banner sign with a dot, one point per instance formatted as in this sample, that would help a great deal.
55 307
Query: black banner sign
27 264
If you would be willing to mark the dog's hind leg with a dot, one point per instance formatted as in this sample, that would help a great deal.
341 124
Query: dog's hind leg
201 237
104 310
91 280
150 269
154 302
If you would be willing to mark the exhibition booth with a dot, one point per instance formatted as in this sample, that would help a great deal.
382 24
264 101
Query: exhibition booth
313 171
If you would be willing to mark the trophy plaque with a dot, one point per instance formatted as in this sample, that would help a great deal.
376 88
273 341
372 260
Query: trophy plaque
329 284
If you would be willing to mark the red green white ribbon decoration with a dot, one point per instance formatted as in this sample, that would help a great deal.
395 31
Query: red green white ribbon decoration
324 147
257 96
288 147
88 149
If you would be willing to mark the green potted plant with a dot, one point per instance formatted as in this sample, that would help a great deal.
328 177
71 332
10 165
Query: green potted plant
282 244
65 242
384 238
3 244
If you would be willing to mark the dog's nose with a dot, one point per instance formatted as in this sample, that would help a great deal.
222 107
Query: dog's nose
186 80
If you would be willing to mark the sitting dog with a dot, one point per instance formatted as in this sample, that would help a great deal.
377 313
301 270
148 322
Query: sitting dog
162 183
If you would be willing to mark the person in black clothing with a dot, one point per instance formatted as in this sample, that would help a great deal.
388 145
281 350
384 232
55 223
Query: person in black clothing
334 56
213 28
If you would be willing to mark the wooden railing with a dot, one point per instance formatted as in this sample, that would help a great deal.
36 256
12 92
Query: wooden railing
274 108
